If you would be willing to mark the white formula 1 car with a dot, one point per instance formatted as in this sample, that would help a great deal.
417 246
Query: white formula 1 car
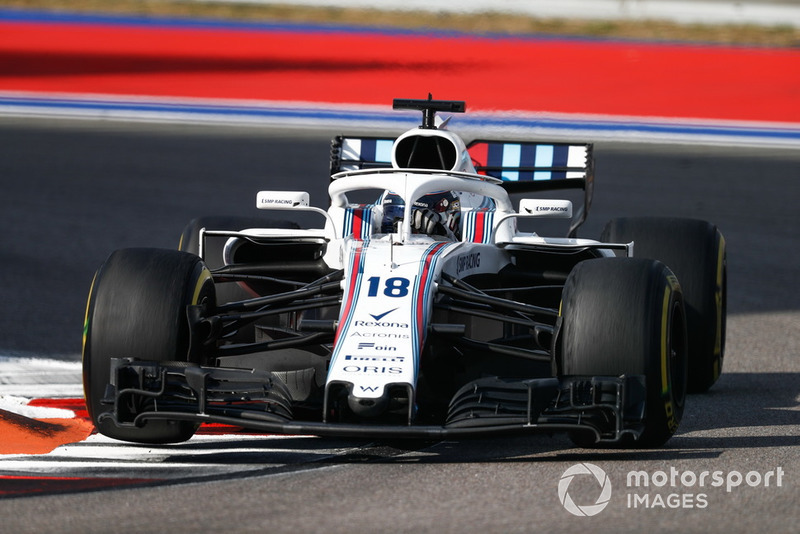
419 309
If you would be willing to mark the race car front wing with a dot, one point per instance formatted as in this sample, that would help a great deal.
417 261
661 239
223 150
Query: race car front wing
605 408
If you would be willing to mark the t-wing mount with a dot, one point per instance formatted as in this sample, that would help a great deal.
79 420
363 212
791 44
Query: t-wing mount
429 108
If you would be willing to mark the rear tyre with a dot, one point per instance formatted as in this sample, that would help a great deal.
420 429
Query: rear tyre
695 251
626 316
137 309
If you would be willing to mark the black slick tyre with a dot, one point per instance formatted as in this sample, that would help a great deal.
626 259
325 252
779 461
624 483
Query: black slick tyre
137 309
695 251
625 316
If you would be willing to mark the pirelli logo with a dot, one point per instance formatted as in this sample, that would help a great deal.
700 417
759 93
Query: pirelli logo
378 359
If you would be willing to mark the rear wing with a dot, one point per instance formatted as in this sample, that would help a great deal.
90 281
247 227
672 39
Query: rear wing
357 153
522 166
529 166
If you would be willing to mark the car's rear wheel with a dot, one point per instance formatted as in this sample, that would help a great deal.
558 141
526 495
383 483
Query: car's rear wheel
137 309
625 316
695 251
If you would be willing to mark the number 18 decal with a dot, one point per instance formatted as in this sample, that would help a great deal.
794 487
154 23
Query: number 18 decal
393 287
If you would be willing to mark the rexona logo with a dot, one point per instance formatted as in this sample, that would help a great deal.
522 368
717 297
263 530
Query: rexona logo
604 491
379 324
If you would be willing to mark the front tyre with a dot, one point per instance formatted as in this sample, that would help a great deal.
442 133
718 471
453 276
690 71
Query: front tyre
625 316
137 309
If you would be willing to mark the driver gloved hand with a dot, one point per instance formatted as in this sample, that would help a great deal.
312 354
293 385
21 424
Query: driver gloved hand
425 221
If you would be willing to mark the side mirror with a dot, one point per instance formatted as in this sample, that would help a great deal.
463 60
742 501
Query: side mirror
546 208
282 200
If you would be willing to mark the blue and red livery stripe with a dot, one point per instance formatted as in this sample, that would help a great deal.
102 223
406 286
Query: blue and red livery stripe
357 258
358 222
422 293
478 225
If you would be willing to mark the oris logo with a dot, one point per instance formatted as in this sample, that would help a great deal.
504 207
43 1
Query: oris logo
372 369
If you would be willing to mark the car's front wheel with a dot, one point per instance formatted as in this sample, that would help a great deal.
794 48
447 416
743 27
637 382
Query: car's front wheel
625 316
137 309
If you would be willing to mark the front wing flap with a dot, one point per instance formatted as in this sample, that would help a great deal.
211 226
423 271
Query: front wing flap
605 408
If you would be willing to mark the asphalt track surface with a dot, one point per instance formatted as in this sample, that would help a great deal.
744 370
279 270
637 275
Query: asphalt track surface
74 191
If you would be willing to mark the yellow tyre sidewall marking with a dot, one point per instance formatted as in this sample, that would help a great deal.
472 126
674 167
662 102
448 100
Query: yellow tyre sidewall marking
718 302
664 345
205 276
86 316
